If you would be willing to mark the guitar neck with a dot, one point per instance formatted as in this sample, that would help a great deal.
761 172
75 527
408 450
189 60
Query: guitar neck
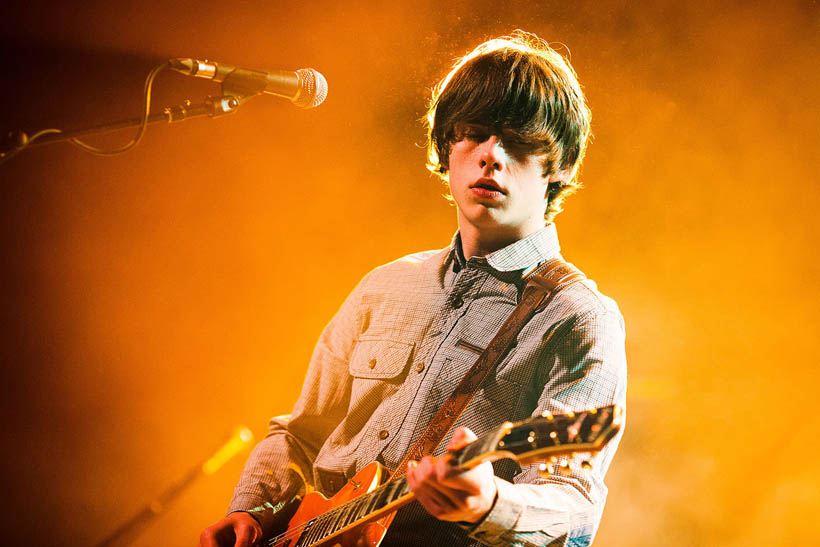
368 507
528 441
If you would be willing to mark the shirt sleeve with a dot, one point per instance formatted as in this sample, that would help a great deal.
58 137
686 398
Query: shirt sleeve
282 462
586 367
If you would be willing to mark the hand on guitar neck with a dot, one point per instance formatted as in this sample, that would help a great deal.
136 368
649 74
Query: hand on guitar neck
448 492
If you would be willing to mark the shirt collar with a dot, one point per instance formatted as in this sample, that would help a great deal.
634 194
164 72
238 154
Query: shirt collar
523 254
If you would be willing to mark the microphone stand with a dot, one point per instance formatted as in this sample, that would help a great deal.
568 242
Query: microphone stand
212 107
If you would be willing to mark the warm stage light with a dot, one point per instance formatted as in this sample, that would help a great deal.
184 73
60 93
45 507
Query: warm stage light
239 440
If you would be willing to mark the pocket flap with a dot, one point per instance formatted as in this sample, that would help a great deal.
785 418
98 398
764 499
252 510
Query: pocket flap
380 359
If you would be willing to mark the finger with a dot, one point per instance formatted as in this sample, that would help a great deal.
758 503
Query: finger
419 472
461 437
421 477
451 488
456 494
436 503
452 480
208 538
245 536
411 474
424 468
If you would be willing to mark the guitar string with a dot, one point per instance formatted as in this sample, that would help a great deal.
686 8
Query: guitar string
297 530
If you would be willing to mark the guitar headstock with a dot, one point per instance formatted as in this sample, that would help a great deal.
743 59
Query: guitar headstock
547 437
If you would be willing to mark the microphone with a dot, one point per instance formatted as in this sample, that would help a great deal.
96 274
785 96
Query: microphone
306 87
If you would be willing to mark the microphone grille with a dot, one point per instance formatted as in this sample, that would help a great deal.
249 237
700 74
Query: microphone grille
312 88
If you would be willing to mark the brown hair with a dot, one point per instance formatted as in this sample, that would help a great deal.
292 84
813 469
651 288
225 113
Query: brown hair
518 83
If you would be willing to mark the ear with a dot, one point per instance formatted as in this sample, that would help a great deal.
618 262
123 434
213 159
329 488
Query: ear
561 176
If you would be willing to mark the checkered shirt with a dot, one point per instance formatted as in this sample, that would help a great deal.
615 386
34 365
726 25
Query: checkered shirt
394 353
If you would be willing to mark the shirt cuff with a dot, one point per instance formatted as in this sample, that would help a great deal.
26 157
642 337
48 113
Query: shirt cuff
502 516
245 501
272 517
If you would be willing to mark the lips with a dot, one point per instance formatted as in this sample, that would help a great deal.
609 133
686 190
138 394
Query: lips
488 184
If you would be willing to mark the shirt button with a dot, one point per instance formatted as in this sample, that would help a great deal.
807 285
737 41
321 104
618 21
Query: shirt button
458 302
419 367
383 434
372 363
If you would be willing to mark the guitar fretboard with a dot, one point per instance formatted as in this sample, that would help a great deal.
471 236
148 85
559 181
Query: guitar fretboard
339 518
366 505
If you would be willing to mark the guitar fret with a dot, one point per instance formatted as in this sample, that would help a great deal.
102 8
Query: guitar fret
307 538
405 487
357 509
395 488
317 529
367 504
337 519
348 508
333 525
326 526
382 499
373 501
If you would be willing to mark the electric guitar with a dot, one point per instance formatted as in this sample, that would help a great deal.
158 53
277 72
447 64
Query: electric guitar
359 514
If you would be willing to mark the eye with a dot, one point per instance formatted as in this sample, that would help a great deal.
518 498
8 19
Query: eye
517 145
513 139
472 133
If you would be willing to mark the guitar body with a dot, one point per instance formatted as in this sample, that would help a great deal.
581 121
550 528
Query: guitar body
369 534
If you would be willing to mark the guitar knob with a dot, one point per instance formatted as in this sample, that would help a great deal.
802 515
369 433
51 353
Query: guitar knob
586 465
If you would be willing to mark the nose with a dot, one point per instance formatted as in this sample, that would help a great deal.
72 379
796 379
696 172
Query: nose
492 156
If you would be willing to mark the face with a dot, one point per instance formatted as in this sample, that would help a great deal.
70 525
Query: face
497 182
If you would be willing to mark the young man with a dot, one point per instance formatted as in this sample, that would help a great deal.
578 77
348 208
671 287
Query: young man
507 130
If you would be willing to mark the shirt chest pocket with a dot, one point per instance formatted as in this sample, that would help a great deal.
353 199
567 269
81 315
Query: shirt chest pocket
378 369
385 360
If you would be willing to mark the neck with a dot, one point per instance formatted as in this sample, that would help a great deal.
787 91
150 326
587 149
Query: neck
478 242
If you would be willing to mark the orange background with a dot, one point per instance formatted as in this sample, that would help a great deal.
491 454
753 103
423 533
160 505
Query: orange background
154 300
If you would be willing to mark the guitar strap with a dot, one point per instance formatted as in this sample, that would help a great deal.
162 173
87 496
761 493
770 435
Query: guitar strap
542 285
